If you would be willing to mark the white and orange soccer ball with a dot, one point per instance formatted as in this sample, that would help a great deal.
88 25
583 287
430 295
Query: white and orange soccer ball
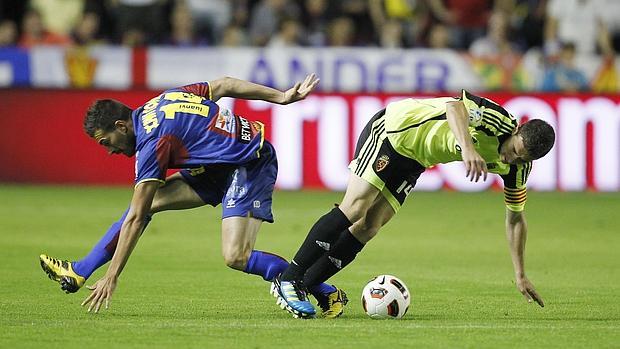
386 297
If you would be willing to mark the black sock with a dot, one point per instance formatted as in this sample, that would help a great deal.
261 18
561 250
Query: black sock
343 253
320 239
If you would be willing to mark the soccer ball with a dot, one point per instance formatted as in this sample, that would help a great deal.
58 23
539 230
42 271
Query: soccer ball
386 297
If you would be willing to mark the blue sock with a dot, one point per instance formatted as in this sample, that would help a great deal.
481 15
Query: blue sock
322 289
103 251
269 265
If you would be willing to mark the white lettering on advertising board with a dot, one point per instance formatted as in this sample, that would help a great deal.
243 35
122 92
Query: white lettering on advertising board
564 168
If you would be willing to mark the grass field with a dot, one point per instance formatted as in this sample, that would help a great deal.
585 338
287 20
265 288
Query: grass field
449 248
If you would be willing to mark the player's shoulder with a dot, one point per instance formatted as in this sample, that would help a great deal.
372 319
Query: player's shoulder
198 93
202 89
516 168
514 176
468 96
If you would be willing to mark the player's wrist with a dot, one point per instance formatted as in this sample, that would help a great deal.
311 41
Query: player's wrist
112 274
468 146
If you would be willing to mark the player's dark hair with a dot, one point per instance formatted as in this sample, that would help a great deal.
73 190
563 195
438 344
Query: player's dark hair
538 138
103 114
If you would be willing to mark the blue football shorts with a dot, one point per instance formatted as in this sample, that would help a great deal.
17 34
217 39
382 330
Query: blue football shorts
243 191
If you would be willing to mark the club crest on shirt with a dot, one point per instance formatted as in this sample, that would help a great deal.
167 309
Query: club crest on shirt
382 163
475 116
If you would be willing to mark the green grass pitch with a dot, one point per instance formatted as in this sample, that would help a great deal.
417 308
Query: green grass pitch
449 248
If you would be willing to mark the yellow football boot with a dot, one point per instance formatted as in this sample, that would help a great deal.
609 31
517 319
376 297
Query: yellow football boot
62 272
333 305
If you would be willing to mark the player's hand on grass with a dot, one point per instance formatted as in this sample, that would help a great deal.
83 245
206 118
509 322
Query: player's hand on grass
527 289
300 90
475 165
101 293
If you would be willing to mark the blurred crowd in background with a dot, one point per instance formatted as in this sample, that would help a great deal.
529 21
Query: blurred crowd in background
484 28
480 26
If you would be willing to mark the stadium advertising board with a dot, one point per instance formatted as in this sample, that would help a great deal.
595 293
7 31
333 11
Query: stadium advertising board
354 70
314 139
340 69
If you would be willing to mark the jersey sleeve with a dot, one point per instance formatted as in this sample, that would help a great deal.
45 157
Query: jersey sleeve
488 116
152 162
515 192
199 89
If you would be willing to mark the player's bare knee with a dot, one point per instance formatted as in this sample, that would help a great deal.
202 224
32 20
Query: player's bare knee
371 232
364 230
156 206
236 259
354 209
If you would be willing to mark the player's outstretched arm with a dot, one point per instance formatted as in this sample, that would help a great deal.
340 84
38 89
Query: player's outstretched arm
231 87
133 225
516 233
458 120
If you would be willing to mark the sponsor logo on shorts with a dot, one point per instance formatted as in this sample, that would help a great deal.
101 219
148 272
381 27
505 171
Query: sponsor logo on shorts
382 163
230 203
256 204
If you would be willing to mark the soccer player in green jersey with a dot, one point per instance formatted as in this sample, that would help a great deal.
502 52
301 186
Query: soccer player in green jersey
395 147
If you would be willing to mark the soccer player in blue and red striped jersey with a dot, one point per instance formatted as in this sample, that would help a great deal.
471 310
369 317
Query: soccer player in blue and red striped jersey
225 160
